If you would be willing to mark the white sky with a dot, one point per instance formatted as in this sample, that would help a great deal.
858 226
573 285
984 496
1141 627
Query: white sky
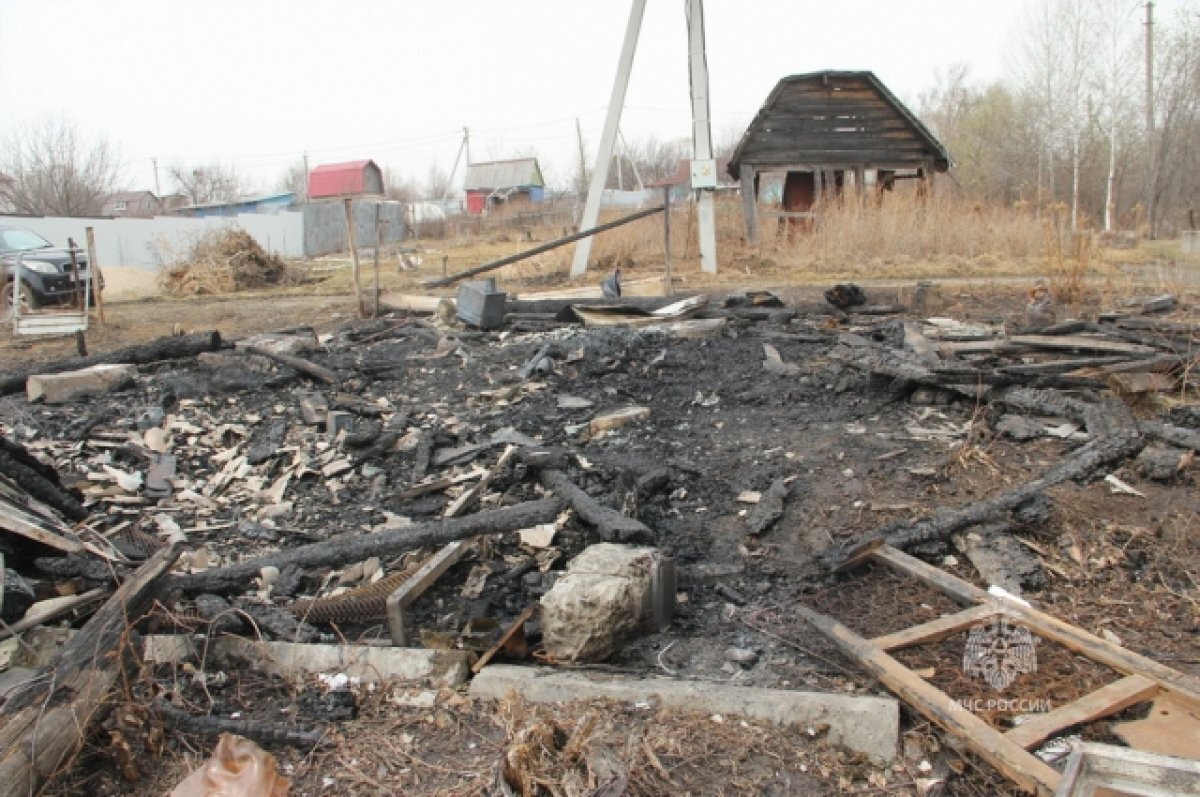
255 83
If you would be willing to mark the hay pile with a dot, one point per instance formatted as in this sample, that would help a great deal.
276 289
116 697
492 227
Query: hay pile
223 261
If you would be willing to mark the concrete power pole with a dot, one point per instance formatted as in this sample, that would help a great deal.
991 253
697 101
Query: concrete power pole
591 209
157 189
704 168
1150 166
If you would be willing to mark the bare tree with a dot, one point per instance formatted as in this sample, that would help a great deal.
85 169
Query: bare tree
294 180
437 181
211 183
52 169
399 188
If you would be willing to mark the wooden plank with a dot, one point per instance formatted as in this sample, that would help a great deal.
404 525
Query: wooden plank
516 626
1024 769
34 527
1082 343
1184 688
934 630
953 586
421 580
1105 701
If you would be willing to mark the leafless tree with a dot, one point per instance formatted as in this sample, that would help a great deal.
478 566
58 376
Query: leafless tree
211 183
52 169
399 188
294 180
437 181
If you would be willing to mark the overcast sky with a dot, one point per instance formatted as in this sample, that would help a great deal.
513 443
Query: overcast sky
255 83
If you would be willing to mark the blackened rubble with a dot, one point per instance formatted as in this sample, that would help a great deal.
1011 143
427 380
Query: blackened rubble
305 476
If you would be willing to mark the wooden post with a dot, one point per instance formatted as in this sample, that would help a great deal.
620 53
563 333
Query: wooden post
818 185
750 203
378 243
860 182
667 238
352 242
97 277
71 247
929 173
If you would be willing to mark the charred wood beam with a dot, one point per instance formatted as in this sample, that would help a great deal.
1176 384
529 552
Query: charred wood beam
609 522
940 525
43 725
356 546
306 367
174 347
40 481
262 732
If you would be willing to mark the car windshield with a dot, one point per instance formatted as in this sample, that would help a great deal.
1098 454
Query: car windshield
14 239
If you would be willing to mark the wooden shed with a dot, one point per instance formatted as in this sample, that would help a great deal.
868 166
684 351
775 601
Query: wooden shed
824 130
349 179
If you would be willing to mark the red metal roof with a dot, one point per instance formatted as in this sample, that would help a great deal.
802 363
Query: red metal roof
342 179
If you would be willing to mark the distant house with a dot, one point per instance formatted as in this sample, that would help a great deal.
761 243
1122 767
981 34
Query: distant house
131 204
172 202
352 178
488 185
271 203
824 131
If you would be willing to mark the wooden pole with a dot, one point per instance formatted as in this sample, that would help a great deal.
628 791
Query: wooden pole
537 250
378 243
750 203
352 242
667 238
97 277
71 247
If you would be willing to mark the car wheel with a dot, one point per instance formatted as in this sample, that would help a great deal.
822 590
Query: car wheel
28 302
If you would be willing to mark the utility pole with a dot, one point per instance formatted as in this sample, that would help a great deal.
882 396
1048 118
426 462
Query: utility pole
306 175
157 189
1150 167
704 169
591 210
454 169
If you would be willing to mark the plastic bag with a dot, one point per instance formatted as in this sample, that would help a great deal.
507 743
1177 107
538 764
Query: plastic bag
238 768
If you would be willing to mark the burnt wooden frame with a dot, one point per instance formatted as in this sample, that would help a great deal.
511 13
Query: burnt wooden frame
1007 751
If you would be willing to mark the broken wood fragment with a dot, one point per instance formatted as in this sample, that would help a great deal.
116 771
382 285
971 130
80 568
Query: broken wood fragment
506 639
356 546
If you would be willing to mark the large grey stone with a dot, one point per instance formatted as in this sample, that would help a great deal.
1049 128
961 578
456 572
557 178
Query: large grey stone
864 724
607 594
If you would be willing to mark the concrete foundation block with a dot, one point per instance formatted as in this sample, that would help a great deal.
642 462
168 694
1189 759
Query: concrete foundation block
608 593
73 385
865 724
371 664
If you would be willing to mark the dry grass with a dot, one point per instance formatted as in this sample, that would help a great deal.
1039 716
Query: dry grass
223 261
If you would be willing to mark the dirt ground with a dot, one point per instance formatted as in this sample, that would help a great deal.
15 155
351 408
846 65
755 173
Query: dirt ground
853 454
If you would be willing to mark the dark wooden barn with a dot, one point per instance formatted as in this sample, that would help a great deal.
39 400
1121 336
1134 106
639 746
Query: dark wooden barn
825 131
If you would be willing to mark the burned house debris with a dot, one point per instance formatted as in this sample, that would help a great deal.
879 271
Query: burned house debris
674 504
826 131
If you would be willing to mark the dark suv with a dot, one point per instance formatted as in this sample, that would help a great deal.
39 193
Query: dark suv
45 271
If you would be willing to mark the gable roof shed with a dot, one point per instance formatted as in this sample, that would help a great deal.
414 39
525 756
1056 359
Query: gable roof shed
351 178
833 120
499 175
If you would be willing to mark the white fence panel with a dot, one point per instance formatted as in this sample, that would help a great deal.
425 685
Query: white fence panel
140 242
